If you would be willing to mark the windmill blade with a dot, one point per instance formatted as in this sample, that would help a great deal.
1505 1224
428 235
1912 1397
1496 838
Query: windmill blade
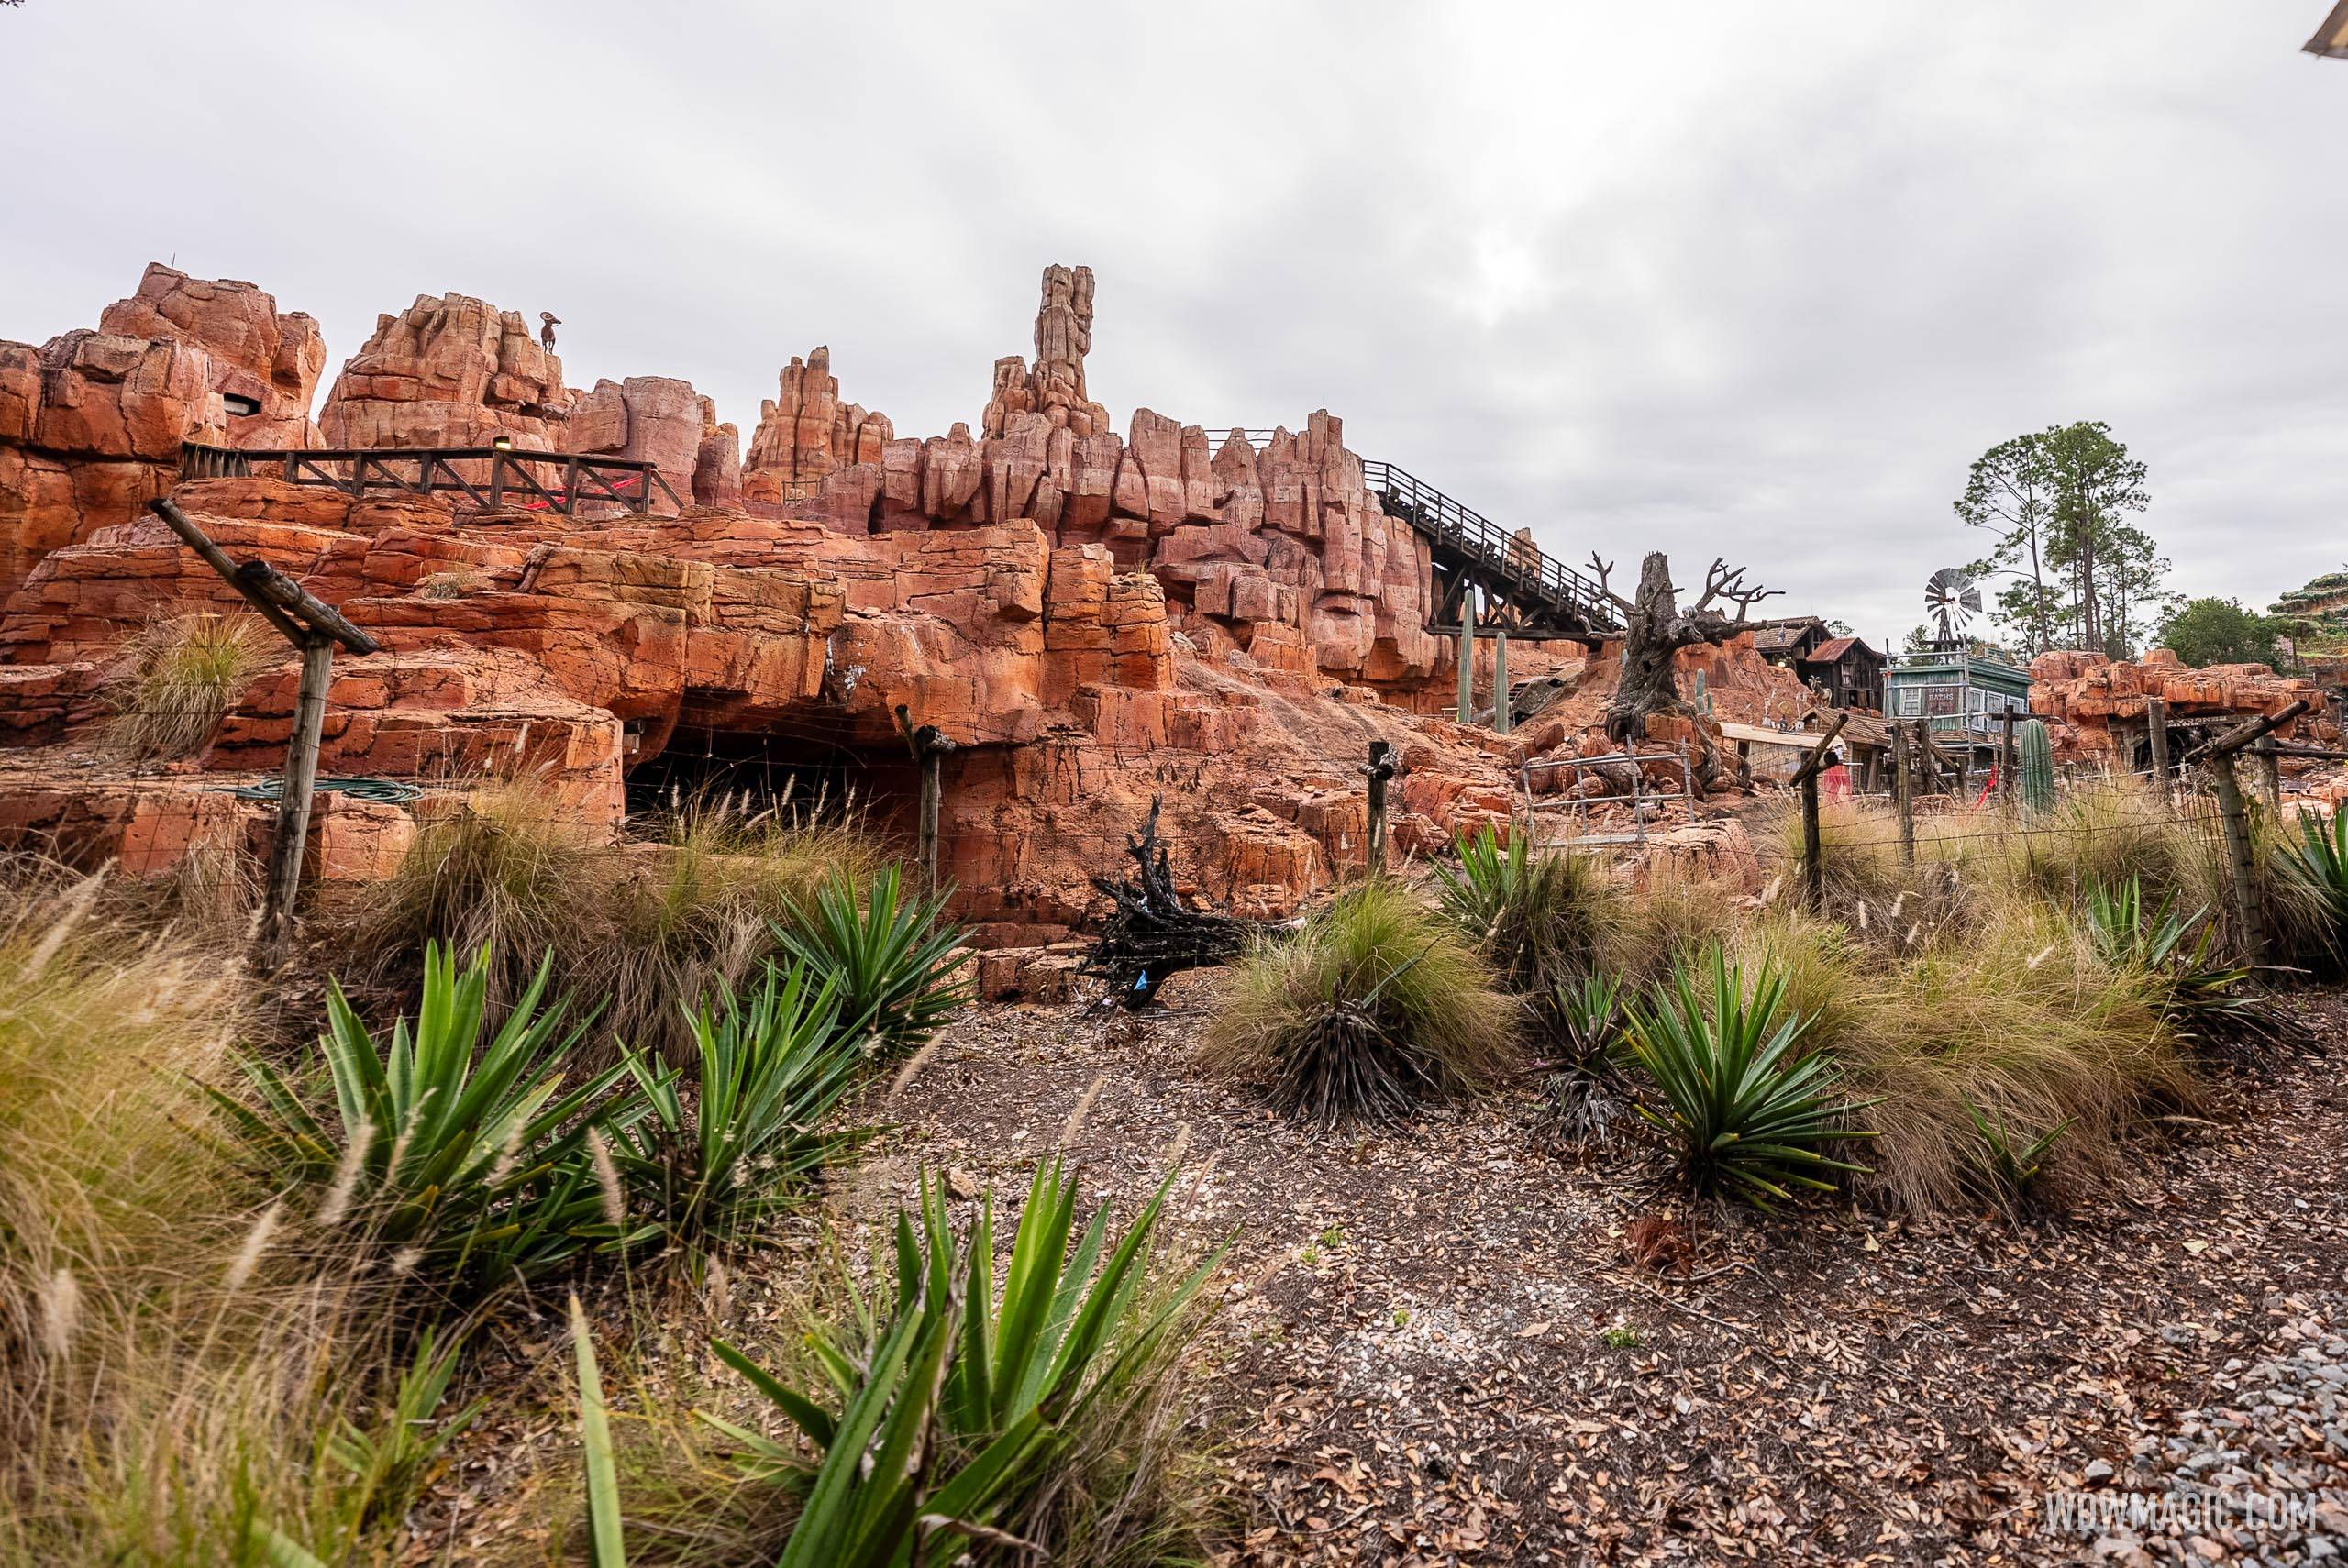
1970 599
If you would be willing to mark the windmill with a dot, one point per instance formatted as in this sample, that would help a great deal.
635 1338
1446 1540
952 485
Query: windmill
1951 596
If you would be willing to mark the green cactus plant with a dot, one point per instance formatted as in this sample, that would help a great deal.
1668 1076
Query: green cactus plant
2034 765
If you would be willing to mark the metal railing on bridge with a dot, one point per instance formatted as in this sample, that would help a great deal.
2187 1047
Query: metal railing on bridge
1492 554
493 478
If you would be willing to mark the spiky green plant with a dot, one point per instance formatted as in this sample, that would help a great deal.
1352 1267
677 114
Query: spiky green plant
2208 1001
894 959
952 1418
709 1167
1539 918
1375 1006
2315 867
2011 1162
1744 1115
469 1153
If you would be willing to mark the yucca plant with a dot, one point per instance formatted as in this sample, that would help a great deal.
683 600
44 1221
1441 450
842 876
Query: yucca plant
947 1413
1539 918
2011 1162
709 1167
469 1153
1746 1116
1589 1021
2202 997
892 957
2317 866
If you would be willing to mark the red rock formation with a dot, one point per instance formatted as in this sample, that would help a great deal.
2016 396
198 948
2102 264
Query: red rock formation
2085 698
807 432
1054 388
257 353
1095 619
448 373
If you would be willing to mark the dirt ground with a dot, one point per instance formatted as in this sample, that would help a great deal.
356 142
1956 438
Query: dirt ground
1439 1343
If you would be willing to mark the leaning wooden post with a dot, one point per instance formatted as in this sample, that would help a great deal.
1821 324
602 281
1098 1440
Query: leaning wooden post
313 627
2241 864
1814 860
929 746
1904 792
1380 770
2156 736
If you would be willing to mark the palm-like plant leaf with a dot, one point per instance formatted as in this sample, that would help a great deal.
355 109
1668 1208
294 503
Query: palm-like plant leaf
892 958
1746 1116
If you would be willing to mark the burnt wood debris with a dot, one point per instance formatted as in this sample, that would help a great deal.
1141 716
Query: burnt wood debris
1150 932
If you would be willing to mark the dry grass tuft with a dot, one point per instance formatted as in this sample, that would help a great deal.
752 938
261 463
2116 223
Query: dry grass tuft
179 675
1376 1005
644 929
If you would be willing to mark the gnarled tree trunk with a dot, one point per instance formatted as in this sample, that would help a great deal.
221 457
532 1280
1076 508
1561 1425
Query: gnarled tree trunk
1654 631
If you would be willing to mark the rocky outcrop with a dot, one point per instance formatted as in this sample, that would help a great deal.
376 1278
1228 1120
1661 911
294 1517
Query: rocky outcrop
806 433
451 371
2092 703
1095 619
259 355
1053 389
90 430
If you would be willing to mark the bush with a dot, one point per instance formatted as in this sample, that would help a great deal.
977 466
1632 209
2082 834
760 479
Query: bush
708 1167
468 1158
895 960
178 676
1744 1116
1670 917
2311 871
1375 1006
2013 1016
1540 921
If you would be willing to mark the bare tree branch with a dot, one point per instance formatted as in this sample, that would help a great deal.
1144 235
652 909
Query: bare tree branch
1720 582
1602 568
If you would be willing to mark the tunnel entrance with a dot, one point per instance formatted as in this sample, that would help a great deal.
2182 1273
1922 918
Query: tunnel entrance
802 769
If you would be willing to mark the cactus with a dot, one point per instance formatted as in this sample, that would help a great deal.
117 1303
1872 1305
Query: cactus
2033 766
1704 696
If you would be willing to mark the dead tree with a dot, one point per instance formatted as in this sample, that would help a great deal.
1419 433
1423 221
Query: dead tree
1150 933
1654 631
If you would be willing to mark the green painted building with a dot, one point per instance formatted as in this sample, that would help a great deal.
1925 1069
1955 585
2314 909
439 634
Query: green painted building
1959 695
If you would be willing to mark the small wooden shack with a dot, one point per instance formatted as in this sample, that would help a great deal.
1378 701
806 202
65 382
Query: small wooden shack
1846 673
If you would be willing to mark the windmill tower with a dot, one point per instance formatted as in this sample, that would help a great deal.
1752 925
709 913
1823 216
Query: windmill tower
1953 598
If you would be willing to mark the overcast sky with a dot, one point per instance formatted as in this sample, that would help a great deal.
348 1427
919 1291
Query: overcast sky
1708 278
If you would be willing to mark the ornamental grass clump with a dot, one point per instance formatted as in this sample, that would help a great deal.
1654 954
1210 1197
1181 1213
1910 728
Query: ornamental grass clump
1746 1116
1377 1006
178 676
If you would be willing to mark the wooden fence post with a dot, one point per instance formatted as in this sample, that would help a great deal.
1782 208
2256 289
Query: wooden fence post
1814 860
929 746
1380 770
2156 736
2006 757
1903 791
313 627
2241 866
2270 776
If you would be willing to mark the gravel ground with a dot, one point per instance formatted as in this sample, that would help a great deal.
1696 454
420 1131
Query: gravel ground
1444 1344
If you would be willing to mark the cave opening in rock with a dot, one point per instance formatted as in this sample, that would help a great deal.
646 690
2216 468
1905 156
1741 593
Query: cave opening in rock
799 770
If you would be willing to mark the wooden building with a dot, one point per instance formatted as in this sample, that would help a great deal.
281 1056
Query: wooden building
1846 673
1959 696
